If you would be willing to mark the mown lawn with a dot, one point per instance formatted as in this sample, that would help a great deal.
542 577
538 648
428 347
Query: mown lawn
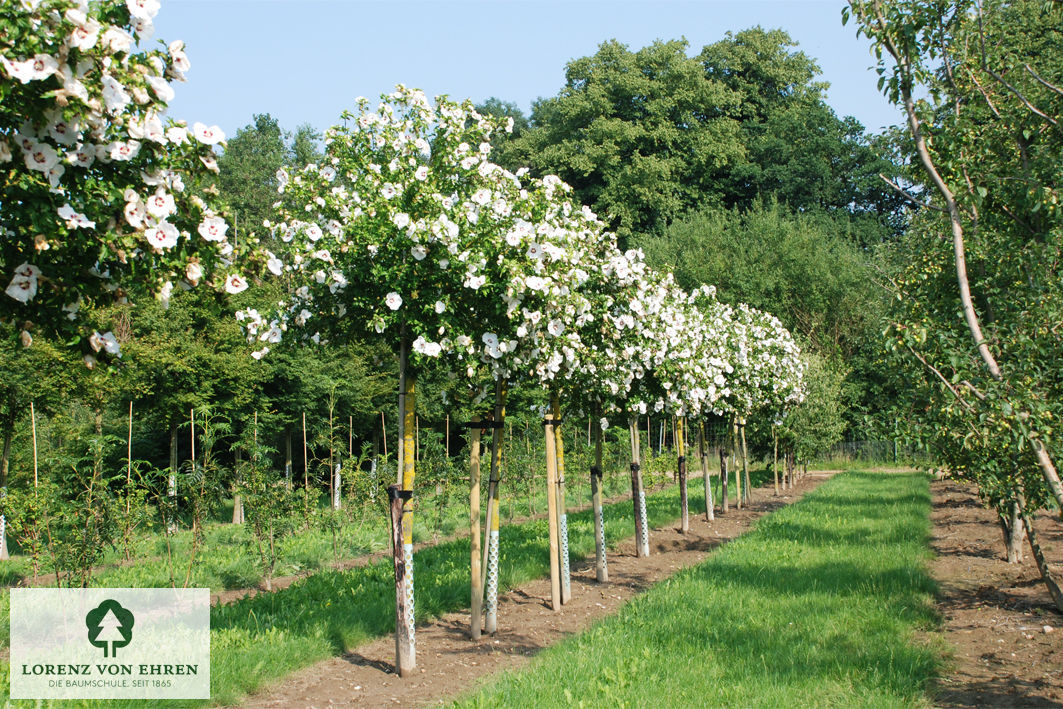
816 607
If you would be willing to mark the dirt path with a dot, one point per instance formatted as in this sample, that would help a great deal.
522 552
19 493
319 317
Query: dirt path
449 662
1006 637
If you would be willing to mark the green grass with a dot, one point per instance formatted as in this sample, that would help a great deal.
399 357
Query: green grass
817 607
260 639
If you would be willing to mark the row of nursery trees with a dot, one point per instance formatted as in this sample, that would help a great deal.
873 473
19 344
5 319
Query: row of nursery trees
407 229
405 232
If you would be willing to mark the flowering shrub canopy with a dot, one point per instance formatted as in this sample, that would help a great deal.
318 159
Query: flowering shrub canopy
97 186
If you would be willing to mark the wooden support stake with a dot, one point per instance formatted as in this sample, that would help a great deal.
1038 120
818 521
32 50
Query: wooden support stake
476 583
551 513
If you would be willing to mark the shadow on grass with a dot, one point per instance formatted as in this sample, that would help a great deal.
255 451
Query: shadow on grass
801 611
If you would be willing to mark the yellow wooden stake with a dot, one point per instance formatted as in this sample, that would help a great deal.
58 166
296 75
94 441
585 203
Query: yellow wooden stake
551 512
477 592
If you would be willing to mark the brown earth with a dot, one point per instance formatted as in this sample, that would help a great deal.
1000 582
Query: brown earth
449 663
1005 635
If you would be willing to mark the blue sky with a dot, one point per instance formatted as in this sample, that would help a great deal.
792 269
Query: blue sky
304 61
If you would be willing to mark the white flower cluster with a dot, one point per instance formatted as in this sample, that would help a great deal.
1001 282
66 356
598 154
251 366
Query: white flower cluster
85 141
409 228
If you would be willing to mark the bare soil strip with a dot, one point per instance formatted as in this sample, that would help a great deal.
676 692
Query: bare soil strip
449 663
1005 635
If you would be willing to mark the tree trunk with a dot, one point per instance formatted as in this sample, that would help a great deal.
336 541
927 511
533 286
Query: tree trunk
638 495
706 478
681 474
238 500
493 510
601 569
1042 565
737 467
288 455
405 644
562 507
725 502
171 491
775 458
1016 533
5 463
405 659
745 460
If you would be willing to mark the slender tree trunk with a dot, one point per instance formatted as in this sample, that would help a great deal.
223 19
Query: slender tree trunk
1017 533
288 455
747 487
405 646
238 500
493 510
5 463
171 490
638 495
562 508
739 497
601 568
725 501
1038 555
476 583
681 474
405 659
706 477
775 458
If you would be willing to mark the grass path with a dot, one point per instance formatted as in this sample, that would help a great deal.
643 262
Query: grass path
816 607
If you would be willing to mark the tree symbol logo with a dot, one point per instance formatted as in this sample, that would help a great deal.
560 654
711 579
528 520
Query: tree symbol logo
111 625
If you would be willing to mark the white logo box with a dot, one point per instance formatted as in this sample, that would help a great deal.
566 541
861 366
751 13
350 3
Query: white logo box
110 643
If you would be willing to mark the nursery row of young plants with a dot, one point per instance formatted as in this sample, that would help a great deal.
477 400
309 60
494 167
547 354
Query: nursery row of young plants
261 638
405 232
